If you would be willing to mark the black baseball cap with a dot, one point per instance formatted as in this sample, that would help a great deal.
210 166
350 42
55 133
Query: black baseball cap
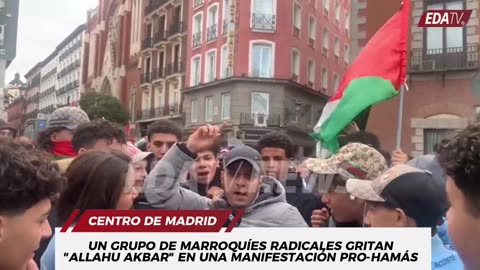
244 153
415 191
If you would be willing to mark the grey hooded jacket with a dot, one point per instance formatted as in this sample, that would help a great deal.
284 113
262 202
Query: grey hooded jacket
162 190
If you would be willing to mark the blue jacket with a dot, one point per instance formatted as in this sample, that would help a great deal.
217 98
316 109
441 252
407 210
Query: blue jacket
47 262
443 256
443 234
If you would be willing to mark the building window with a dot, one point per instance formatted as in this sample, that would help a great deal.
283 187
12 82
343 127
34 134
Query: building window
194 111
226 15
226 106
442 39
260 103
433 137
224 66
197 30
297 19
326 5
336 82
195 70
261 61
347 21
311 72
324 79
295 64
346 54
263 15
210 66
212 23
325 39
337 12
337 46
312 28
209 109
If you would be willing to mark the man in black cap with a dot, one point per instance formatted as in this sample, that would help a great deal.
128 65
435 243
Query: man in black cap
405 196
246 187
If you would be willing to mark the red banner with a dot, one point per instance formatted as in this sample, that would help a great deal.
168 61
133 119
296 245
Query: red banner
151 221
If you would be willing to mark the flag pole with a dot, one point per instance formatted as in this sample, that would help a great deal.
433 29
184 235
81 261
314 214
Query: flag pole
400 117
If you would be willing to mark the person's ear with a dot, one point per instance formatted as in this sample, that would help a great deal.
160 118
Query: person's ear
2 228
149 146
401 218
53 136
81 151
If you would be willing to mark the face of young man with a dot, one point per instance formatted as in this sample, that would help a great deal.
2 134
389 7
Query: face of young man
160 143
379 215
241 185
463 228
204 168
64 135
343 208
275 162
20 235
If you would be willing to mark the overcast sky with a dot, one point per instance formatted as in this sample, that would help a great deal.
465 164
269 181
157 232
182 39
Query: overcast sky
42 25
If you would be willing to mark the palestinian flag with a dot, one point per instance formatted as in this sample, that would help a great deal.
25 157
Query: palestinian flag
375 76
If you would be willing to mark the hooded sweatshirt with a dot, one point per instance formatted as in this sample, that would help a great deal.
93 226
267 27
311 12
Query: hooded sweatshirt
162 190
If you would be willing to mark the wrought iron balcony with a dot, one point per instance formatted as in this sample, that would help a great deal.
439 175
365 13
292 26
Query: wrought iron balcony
197 3
146 114
176 28
158 112
174 68
212 32
160 73
197 39
445 59
147 43
273 120
146 77
160 36
265 22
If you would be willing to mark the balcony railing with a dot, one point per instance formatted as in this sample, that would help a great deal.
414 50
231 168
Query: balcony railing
158 112
160 37
175 68
176 28
197 3
147 43
197 39
212 32
273 120
159 74
146 78
445 59
265 22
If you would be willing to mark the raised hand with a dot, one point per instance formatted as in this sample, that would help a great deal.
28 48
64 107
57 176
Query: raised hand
204 138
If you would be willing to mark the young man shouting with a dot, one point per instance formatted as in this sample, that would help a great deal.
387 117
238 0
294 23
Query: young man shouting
262 198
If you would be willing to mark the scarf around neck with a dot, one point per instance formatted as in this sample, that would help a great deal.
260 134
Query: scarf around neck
63 149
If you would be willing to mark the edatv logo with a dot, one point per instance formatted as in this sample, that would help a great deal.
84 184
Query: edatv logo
445 18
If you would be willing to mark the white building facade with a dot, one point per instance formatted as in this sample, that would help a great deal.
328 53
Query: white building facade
70 54
48 85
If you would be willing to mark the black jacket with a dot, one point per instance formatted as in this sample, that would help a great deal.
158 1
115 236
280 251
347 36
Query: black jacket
303 200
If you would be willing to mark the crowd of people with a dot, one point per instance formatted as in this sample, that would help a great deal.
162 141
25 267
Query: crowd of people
78 163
